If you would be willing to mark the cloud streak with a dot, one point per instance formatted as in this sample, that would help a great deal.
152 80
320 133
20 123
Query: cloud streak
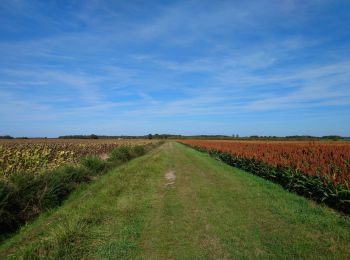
223 65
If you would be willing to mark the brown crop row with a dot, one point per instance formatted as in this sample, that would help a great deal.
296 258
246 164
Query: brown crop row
325 159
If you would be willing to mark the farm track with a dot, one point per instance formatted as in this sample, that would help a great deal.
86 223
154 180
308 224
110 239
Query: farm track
177 203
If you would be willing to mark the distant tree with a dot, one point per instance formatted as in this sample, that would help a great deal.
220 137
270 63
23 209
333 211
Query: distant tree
332 137
6 137
92 136
150 136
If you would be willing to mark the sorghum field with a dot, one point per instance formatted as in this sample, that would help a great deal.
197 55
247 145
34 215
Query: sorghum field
36 155
315 169
324 159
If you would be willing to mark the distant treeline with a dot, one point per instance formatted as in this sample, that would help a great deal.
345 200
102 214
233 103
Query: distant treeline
80 137
20 137
277 138
213 137
6 137
93 136
149 136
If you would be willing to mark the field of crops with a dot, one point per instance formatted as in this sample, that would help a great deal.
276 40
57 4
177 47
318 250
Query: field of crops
324 159
317 170
39 174
35 155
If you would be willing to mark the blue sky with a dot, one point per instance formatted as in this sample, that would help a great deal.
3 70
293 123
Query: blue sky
187 67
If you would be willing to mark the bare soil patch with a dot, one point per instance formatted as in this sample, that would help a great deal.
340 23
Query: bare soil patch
170 177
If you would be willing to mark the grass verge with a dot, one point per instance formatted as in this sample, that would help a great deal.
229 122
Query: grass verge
24 196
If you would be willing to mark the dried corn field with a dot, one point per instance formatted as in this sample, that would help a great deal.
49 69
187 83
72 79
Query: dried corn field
37 155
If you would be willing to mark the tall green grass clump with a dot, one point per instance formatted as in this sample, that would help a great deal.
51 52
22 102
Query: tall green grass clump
138 150
95 164
121 154
25 195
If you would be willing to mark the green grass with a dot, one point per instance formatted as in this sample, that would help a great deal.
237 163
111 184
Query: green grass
210 210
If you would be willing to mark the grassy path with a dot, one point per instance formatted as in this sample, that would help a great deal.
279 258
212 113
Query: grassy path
177 203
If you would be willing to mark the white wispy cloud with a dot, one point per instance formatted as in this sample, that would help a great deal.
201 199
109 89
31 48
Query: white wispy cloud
126 61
